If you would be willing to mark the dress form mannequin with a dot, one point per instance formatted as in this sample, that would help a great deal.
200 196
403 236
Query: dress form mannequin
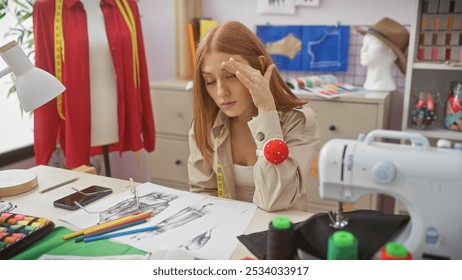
62 37
379 59
103 91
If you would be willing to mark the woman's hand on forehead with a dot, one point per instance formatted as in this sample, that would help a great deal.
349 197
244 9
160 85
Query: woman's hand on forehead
256 83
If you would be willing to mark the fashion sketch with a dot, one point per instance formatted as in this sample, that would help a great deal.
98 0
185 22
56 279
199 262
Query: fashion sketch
155 202
206 227
185 216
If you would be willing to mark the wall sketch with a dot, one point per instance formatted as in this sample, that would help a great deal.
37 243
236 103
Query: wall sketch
276 7
307 48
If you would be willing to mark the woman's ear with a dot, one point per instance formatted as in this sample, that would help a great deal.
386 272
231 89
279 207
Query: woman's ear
262 60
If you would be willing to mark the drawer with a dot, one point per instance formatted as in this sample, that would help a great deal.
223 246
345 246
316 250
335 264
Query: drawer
172 111
169 161
344 120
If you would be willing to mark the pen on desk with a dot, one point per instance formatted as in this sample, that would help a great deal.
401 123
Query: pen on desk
116 234
59 185
106 231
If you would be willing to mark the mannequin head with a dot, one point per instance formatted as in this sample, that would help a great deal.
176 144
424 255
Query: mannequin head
375 53
384 43
379 60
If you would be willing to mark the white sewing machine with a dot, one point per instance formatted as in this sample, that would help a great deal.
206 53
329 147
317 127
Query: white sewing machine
426 180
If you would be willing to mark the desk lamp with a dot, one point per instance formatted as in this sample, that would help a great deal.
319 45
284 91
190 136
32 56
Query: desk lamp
34 88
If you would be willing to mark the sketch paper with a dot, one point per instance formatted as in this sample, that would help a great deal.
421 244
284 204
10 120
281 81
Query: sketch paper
224 236
200 226
162 200
286 7
307 2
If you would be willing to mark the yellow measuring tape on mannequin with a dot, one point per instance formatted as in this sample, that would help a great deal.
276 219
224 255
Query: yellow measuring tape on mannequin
127 15
59 51
129 19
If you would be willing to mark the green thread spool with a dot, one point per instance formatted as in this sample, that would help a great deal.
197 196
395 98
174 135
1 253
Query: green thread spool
342 245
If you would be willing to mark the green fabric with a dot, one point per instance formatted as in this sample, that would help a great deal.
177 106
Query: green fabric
54 244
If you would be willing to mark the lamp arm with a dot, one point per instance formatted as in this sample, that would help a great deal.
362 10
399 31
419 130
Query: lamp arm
5 71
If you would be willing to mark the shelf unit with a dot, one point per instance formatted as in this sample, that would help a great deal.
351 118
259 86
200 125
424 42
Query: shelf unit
172 106
433 76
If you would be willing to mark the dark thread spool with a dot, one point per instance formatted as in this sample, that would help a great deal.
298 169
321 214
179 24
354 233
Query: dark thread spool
280 243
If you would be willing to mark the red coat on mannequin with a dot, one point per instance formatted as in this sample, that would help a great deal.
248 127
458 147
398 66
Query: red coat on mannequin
135 117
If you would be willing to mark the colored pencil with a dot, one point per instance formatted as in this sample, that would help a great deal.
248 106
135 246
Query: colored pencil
124 226
116 234
116 221
142 216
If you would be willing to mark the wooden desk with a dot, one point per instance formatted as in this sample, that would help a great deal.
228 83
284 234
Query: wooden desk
41 205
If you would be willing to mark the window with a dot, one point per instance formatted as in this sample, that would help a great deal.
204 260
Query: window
16 126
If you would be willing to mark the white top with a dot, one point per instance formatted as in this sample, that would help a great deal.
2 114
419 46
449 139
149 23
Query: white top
244 180
379 59
103 83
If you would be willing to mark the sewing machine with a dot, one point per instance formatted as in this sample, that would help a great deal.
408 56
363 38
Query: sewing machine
426 180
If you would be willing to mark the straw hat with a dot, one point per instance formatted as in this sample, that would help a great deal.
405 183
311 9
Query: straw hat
394 35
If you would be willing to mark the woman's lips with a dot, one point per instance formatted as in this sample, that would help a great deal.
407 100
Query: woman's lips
227 105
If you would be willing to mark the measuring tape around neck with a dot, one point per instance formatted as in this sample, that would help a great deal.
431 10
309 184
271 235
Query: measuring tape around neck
59 51
220 179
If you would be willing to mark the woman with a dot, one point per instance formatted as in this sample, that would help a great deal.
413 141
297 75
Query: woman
241 102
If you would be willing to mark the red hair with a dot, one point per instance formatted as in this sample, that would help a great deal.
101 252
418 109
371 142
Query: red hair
236 39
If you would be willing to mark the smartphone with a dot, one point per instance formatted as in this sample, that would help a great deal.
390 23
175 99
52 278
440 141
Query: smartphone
83 197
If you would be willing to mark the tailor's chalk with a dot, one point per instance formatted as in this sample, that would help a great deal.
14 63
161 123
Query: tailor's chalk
117 234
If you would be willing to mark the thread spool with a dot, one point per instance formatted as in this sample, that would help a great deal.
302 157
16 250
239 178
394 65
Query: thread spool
311 81
342 245
280 243
394 251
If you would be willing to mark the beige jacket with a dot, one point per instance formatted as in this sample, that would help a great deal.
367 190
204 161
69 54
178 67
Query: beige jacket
277 187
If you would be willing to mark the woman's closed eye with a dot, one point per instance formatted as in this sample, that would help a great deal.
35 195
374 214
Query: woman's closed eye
231 75
209 82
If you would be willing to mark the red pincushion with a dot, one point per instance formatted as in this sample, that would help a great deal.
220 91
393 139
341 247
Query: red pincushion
276 151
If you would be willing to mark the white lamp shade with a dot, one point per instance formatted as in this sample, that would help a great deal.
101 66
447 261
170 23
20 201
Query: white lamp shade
36 87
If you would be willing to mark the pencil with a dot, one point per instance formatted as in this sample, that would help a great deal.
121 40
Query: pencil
82 231
135 218
59 185
116 234
80 238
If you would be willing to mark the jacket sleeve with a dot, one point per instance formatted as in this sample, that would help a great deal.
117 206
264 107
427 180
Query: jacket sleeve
278 187
202 179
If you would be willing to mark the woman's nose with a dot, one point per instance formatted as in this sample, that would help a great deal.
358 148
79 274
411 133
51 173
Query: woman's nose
222 89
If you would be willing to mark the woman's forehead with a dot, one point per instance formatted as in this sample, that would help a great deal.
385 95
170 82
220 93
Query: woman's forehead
213 59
